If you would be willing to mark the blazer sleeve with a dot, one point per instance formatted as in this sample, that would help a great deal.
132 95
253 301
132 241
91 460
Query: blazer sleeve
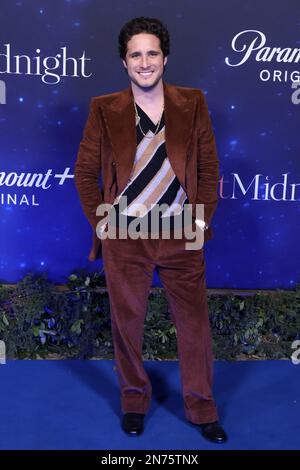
88 166
207 162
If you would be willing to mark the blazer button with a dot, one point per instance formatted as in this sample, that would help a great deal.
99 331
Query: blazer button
113 163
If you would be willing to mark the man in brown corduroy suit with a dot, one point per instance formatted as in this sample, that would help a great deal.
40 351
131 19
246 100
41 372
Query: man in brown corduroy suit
153 143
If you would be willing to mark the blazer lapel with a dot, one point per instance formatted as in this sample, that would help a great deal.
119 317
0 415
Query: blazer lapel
179 117
120 119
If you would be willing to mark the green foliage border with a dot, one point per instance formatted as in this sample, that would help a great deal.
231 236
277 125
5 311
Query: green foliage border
39 319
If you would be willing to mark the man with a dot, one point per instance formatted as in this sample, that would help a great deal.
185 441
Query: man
153 144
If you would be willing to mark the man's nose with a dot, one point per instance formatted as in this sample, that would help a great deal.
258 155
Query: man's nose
145 62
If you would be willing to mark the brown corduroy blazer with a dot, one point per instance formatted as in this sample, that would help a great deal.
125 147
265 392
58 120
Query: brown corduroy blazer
108 148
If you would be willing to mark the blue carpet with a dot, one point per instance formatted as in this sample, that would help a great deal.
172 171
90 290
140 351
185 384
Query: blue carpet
75 405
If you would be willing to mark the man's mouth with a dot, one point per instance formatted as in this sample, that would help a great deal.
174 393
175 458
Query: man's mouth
146 74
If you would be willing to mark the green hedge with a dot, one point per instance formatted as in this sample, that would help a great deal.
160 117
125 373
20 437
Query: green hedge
39 319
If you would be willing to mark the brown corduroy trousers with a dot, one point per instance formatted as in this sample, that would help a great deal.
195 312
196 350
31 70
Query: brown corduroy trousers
129 266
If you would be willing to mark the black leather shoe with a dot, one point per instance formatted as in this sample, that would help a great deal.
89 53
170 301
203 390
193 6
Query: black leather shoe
213 432
133 423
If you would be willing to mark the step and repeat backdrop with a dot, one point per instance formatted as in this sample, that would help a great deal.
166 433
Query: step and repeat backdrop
245 55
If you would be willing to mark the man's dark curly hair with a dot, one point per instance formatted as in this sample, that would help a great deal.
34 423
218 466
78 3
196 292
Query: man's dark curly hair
144 25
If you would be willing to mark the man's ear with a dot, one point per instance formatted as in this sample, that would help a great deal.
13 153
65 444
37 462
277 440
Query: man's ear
124 63
165 60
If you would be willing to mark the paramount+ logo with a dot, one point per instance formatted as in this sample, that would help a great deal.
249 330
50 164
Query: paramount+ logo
251 44
50 69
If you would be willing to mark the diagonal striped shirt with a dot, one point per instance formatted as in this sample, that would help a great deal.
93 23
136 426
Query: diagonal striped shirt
152 181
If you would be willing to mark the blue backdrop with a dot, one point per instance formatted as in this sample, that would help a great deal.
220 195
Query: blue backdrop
243 55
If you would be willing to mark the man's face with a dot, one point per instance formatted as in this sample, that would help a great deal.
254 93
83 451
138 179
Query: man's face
144 60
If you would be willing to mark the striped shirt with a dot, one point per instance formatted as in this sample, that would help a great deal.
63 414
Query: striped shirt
152 181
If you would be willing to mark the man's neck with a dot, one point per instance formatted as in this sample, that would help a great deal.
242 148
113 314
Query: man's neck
148 97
